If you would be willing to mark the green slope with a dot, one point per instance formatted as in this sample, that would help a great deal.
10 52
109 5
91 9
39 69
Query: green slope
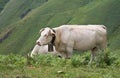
2 4
53 13
14 9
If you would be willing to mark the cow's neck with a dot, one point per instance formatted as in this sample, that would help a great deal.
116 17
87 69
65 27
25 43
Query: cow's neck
50 45
57 39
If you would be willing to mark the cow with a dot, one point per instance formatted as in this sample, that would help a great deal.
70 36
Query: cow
44 50
67 38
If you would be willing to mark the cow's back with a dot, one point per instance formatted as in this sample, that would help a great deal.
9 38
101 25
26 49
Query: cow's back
83 37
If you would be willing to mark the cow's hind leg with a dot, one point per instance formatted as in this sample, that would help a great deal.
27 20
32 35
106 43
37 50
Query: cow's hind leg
93 53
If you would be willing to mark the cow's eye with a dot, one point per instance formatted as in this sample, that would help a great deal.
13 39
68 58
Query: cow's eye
45 35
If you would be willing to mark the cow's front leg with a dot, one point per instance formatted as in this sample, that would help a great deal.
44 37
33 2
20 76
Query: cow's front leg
56 54
69 51
66 55
63 54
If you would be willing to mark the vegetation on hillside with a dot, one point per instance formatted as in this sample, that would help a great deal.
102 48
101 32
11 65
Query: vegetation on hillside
44 66
2 4
15 9
27 17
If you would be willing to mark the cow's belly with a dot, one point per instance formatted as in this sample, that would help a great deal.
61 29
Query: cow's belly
81 46
85 41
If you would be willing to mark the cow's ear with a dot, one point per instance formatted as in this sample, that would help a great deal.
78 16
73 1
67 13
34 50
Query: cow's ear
52 32
42 30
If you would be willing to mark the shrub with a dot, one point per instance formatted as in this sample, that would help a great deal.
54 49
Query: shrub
105 58
12 60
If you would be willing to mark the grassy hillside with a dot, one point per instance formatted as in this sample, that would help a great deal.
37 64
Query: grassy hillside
48 66
15 9
24 31
2 4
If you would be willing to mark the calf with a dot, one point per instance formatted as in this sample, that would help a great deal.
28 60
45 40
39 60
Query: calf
43 50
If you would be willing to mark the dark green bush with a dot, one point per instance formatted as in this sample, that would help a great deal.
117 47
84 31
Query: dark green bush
105 58
12 60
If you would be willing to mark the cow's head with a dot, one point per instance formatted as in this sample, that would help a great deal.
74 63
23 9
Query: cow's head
46 36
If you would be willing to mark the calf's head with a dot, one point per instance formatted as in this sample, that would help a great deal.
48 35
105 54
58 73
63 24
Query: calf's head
46 36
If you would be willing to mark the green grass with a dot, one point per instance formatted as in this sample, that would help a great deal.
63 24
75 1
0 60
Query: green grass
2 4
48 66
67 72
14 9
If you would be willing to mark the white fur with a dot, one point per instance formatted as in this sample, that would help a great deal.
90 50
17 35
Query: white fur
43 50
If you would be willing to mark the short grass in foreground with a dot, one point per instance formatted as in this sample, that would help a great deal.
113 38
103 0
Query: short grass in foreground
105 65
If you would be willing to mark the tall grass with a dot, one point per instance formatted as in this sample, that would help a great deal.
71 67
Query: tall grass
102 59
77 66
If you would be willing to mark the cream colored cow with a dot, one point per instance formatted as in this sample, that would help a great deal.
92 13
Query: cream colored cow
67 38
